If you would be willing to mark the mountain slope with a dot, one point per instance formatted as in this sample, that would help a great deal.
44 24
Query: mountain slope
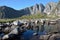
50 8
7 12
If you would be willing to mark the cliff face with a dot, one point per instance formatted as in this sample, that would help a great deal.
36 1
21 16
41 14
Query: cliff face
33 9
37 8
56 10
50 8
7 12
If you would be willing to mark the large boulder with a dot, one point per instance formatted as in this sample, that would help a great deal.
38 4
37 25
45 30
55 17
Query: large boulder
55 37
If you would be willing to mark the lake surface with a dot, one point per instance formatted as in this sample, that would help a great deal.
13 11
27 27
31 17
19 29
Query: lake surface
29 34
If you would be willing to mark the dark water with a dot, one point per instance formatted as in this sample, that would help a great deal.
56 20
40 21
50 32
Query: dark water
1 34
26 35
29 34
57 38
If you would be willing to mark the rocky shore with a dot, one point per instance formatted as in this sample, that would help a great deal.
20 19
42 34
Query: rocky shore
41 29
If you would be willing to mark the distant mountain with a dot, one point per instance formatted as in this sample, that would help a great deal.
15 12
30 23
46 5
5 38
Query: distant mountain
7 12
33 9
56 10
50 8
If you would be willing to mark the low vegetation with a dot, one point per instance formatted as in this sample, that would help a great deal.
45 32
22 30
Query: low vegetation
39 15
6 20
33 16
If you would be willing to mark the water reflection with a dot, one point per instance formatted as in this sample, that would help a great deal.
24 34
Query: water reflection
29 34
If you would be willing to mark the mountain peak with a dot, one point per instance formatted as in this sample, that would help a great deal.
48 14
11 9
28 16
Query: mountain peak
3 7
7 12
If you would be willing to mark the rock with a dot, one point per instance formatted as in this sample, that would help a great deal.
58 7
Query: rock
18 22
7 30
15 31
49 7
35 34
38 8
55 36
5 37
44 37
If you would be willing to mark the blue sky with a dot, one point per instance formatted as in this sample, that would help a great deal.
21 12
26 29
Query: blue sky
20 4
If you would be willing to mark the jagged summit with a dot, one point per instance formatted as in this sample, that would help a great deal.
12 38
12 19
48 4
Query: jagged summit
49 8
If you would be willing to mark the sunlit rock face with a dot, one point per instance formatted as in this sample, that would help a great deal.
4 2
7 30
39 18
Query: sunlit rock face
57 9
52 8
37 8
49 7
7 12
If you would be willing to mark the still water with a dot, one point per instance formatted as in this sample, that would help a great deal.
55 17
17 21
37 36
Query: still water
29 34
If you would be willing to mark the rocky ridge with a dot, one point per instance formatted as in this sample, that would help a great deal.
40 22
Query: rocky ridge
50 8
